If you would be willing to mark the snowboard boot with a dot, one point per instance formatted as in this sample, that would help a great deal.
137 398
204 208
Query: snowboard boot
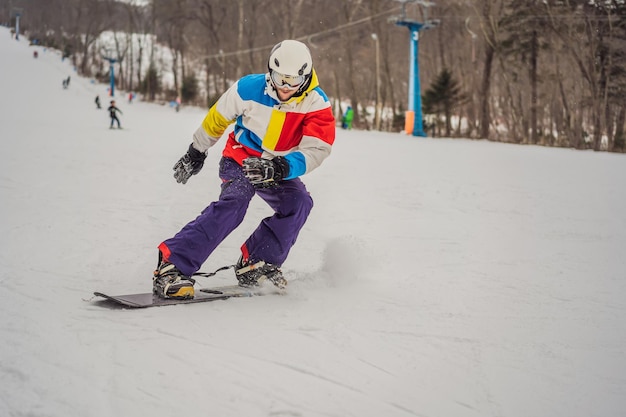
169 282
253 274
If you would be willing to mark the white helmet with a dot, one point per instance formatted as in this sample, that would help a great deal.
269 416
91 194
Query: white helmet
291 59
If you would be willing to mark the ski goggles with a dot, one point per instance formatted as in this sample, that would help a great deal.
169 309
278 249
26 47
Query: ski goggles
292 82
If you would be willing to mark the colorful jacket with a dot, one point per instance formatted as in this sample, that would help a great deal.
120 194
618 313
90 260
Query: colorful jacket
302 129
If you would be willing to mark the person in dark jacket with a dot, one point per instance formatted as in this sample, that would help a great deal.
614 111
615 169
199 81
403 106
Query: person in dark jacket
113 114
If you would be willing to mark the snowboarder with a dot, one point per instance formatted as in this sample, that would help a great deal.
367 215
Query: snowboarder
284 128
113 114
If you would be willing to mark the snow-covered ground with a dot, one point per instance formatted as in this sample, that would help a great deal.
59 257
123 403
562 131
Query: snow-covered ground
434 278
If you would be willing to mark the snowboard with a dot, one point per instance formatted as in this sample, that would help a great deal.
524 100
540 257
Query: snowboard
144 300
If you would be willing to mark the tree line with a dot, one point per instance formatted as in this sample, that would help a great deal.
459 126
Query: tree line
549 72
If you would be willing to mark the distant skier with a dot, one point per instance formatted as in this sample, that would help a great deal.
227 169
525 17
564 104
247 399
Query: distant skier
346 121
113 114
98 102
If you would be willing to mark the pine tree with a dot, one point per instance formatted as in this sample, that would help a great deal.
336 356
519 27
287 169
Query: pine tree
151 82
189 89
442 97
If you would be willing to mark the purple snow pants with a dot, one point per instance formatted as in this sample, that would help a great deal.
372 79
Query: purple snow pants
270 242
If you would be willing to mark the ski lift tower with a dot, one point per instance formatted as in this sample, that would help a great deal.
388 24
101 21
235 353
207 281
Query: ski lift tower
16 13
413 123
108 56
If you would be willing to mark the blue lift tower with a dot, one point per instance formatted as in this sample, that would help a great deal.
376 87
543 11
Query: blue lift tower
413 123
107 55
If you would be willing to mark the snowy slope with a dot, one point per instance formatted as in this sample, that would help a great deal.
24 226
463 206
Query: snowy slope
434 277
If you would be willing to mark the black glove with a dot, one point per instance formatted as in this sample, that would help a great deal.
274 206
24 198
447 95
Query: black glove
265 172
190 164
